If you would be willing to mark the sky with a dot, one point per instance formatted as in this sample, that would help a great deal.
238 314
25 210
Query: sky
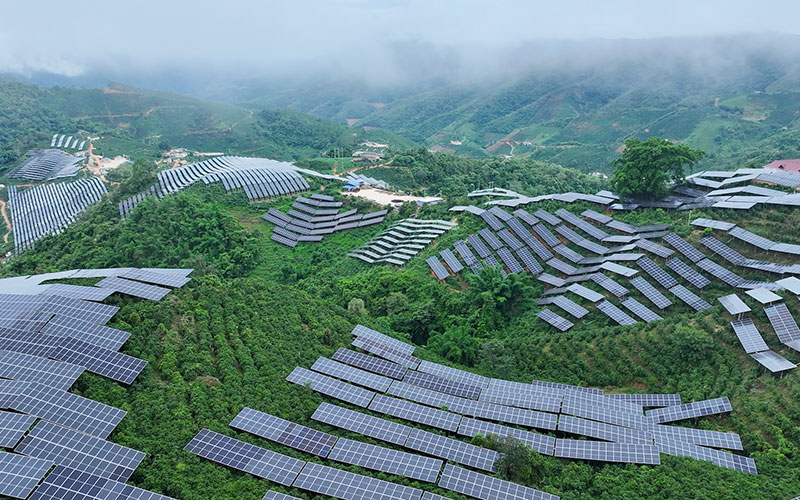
88 36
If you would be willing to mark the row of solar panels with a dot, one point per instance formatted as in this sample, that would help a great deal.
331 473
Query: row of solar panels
424 390
62 141
48 337
46 164
48 209
401 241
259 178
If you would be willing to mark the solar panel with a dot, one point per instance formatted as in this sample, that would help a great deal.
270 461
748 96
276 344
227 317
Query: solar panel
172 279
465 253
600 430
733 304
689 410
610 285
547 217
702 437
748 335
414 412
529 261
385 352
360 423
773 361
720 458
592 411
713 224
562 388
548 237
684 271
55 374
615 313
99 335
274 495
560 265
640 310
454 374
376 336
284 432
784 324
508 259
596 216
370 363
479 246
351 486
133 288
684 247
440 384
509 239
67 409
584 292
724 251
690 298
452 261
550 279
452 450
656 272
471 427
623 227
490 238
792 284
477 485
607 452
71 448
245 457
350 374
386 460
19 475
720 272
526 216
438 269
111 364
65 482
654 248
751 238
568 253
490 220
763 295
555 320
569 306
527 396
331 387
655 400
12 427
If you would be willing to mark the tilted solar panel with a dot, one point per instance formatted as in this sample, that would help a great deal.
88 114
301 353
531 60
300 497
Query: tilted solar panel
367 425
274 495
452 450
610 285
690 298
748 335
684 271
386 352
111 364
555 320
773 361
600 430
19 475
784 324
99 335
455 374
357 376
689 410
331 387
702 437
719 458
607 452
471 427
12 427
509 260
55 374
640 310
414 412
75 449
65 482
386 460
370 363
245 457
452 261
656 272
615 313
284 432
440 384
351 486
134 288
684 247
720 272
477 485
724 251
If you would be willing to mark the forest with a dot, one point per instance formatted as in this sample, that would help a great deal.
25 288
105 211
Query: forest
254 310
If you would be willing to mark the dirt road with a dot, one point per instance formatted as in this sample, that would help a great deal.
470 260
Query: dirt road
6 220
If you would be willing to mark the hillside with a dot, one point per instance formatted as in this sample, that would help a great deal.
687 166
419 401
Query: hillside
255 310
576 103
143 123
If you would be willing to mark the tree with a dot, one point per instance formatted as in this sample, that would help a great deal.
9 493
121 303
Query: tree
356 306
645 167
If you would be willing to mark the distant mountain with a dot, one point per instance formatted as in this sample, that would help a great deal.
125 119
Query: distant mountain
138 122
575 103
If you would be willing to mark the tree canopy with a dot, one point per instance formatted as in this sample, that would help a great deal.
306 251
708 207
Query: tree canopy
645 167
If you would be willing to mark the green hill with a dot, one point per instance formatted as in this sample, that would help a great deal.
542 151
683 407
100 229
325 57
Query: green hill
255 310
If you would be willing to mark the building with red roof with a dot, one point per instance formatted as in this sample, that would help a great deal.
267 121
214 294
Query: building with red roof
786 165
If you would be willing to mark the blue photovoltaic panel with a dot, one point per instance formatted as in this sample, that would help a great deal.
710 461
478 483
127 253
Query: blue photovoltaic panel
748 335
615 313
719 458
477 485
55 374
471 427
684 271
331 387
607 452
684 247
19 475
245 457
465 253
690 298
66 483
657 298
436 383
71 448
348 373
490 238
640 310
274 495
455 374
547 217
386 460
702 437
12 427
338 483
451 260
438 269
479 246
555 320
509 239
386 352
452 450
689 410
653 400
370 363
380 338
367 425
529 261
99 360
284 432
600 430
414 412
720 272
609 284
656 272
508 259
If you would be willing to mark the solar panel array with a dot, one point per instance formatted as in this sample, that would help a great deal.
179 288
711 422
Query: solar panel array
348 373
784 324
684 247
607 452
615 313
452 450
477 485
684 271
331 387
440 384
720 272
689 410
690 298
48 209
370 363
386 460
748 335
656 272
400 242
351 486
640 310
284 432
134 288
414 412
64 482
555 320
46 164
720 458
374 427
12 427
19 475
56 374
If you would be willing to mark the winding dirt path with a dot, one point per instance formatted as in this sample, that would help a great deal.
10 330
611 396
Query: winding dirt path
7 221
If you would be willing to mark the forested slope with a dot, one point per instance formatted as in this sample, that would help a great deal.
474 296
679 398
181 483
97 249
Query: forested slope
255 310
